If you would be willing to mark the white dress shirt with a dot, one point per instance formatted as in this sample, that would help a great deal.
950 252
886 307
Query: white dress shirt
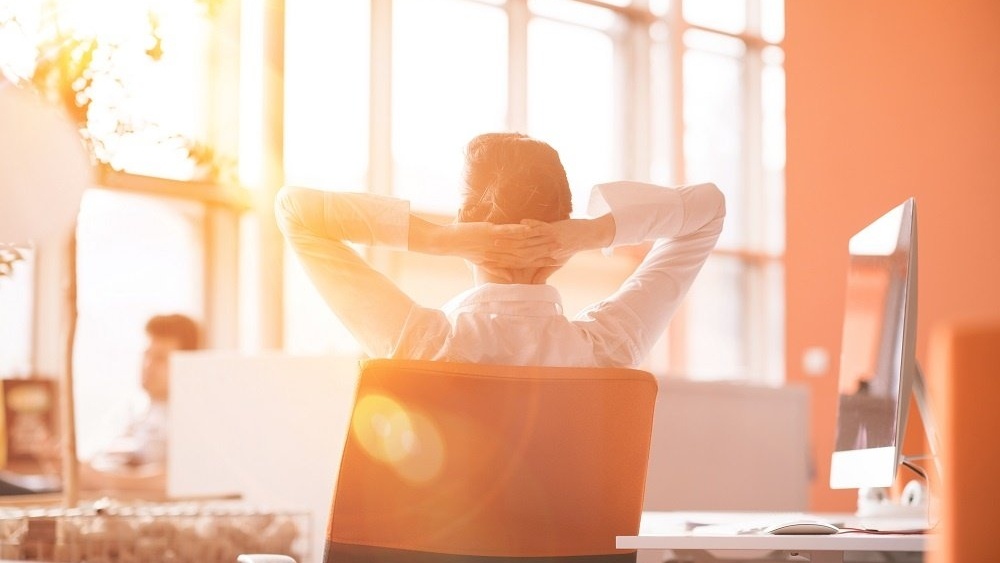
142 442
516 324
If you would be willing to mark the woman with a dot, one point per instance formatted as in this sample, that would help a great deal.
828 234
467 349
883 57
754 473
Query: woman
514 229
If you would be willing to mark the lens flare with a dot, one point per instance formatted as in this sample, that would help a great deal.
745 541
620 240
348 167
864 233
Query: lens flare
407 441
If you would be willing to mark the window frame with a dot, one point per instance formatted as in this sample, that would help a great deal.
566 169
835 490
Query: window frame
640 131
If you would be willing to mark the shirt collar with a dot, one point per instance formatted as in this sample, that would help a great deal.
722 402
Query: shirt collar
538 299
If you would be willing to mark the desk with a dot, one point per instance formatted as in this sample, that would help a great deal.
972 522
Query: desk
670 531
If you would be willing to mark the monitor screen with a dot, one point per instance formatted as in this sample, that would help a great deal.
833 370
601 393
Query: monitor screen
877 361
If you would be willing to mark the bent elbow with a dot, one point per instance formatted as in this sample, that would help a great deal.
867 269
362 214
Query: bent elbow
714 198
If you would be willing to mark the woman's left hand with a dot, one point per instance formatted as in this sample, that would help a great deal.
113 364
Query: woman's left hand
501 246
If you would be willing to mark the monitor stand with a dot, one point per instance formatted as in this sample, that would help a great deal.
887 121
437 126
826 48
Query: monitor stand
927 417
912 508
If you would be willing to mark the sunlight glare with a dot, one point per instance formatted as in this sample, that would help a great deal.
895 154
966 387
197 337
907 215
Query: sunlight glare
407 441
451 94
109 19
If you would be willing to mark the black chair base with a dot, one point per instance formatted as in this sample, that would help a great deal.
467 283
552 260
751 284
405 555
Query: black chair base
349 553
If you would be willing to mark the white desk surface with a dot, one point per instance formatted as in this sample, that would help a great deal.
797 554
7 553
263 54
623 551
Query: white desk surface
670 530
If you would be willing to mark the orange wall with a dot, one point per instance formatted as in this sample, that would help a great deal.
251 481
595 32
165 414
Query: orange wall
888 99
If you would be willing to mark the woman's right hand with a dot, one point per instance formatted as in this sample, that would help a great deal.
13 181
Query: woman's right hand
499 246
530 244
573 235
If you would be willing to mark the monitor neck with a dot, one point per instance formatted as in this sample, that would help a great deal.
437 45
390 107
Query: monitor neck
927 417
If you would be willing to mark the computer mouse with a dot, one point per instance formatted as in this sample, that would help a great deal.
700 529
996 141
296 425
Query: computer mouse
802 527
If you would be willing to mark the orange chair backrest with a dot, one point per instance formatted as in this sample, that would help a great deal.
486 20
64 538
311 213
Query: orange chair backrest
481 460
964 384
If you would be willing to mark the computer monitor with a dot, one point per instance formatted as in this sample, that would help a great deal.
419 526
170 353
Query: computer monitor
878 368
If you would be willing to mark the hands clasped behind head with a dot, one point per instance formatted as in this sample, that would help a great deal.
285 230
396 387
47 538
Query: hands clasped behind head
531 244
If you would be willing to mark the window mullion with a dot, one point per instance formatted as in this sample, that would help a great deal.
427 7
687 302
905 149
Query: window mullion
273 175
677 29
676 330
755 295
380 168
518 17
634 101
222 280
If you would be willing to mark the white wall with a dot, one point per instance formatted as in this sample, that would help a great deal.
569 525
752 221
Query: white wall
270 427
729 446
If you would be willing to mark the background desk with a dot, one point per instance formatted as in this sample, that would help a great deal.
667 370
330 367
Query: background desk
668 531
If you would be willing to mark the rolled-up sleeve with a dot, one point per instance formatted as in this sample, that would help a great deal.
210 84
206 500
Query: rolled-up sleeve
684 224
646 212
318 225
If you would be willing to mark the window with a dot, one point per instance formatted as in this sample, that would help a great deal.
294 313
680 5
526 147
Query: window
672 93
451 94
122 281
377 97
326 101
152 225
17 283
327 140
733 122
571 99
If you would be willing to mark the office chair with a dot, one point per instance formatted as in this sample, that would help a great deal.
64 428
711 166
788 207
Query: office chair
450 462
963 387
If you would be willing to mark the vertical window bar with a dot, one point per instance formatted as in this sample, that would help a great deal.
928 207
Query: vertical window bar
632 98
518 16
755 288
380 116
272 174
676 333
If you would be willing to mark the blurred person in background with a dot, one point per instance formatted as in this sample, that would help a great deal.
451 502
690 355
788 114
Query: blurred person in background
135 461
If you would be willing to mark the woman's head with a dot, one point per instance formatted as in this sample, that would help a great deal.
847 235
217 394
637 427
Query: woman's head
510 177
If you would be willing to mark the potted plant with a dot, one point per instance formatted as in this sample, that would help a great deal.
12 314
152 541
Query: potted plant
88 75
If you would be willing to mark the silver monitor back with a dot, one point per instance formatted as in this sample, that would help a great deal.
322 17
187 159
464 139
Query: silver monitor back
877 361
